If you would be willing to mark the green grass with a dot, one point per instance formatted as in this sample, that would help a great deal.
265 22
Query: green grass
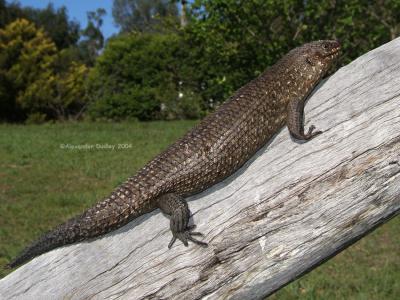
42 184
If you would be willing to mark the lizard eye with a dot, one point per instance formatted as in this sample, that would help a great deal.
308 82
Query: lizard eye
325 46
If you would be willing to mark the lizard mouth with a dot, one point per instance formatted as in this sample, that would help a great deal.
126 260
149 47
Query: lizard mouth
334 51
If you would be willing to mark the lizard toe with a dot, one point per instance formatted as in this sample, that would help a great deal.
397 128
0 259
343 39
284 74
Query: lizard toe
186 236
311 133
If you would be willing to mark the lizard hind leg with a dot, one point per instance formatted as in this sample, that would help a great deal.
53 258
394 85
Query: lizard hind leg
176 207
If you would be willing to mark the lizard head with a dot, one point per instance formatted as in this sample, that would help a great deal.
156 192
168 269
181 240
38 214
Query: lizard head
321 54
308 64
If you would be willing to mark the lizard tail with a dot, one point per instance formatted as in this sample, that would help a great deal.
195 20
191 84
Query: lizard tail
98 220
107 215
63 234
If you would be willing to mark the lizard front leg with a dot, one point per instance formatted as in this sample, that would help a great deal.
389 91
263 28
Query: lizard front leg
176 207
295 121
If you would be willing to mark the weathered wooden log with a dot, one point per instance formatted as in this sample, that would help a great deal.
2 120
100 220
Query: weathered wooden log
293 206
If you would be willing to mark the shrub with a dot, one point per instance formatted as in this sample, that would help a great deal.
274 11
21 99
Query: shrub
140 76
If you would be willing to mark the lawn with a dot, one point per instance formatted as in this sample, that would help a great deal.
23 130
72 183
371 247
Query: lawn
45 179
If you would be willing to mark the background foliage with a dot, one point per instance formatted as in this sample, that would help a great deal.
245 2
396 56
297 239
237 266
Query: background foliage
171 59
139 75
234 41
36 81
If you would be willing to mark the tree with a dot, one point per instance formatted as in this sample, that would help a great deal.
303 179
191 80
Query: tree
55 22
58 95
142 15
9 12
93 40
183 13
63 32
25 53
34 81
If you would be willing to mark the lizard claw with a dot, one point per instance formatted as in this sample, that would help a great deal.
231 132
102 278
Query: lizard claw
186 236
310 134
172 242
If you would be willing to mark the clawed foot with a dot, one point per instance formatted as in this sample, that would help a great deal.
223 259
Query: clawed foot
176 207
310 134
187 235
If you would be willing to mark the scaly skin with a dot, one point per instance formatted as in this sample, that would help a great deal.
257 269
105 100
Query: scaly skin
207 154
